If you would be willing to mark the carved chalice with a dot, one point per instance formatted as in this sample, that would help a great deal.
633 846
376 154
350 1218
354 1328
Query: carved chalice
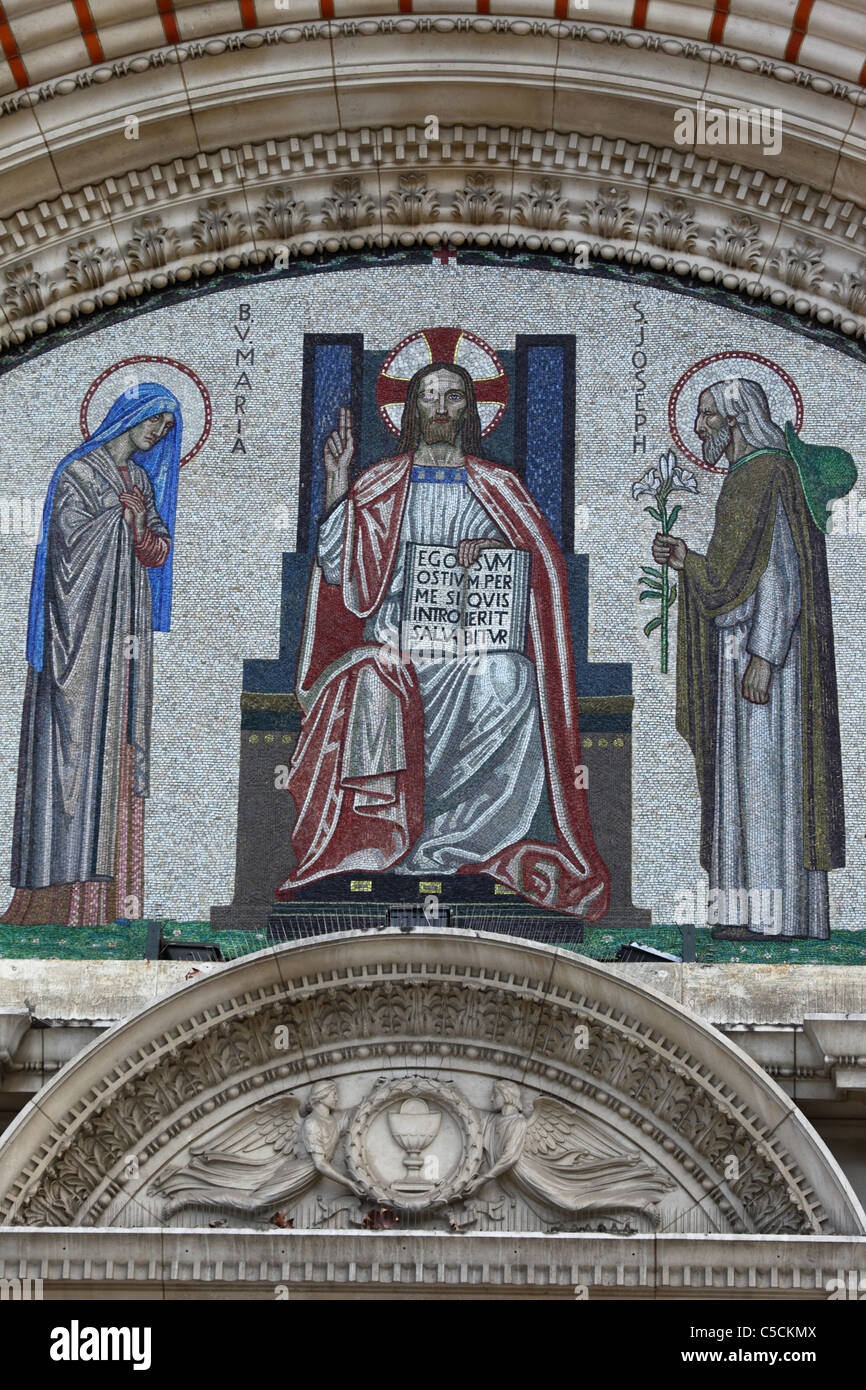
414 1126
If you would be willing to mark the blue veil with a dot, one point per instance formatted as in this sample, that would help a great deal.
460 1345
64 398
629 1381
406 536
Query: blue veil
161 463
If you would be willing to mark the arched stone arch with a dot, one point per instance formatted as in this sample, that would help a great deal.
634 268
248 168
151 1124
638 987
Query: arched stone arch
439 1017
527 132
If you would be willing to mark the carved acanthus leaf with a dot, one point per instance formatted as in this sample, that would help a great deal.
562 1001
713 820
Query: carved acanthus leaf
609 215
802 265
349 207
673 228
851 289
478 201
151 245
89 265
281 215
217 227
412 202
27 290
738 243
543 207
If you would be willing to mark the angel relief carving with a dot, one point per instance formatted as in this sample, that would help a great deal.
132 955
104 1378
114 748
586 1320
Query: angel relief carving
563 1158
266 1159
417 1144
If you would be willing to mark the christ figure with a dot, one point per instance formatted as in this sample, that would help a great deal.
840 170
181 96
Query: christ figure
437 764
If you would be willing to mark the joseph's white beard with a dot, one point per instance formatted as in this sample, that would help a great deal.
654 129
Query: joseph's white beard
716 444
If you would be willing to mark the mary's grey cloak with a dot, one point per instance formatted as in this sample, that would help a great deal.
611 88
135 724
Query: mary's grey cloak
94 690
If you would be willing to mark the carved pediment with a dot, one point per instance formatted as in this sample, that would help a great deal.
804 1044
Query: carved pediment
447 1080
416 1146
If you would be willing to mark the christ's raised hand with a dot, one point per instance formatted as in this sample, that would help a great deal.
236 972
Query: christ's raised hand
337 456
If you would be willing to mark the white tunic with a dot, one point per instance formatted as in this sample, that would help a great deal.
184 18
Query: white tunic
484 777
757 853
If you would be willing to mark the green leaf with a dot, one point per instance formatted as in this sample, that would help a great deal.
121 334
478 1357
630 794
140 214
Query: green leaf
672 596
650 593
653 511
675 511
653 584
648 569
652 625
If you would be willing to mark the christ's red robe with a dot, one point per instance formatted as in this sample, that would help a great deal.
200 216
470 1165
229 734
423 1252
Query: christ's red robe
348 824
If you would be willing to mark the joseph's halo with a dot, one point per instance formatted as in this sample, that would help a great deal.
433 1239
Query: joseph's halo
782 392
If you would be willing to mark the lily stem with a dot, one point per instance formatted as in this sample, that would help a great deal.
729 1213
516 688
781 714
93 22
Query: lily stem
662 503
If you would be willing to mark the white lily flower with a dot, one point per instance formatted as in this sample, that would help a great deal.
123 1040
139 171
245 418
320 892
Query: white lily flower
683 480
649 483
667 465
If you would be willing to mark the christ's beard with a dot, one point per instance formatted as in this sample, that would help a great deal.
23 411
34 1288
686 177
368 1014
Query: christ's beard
440 431
715 445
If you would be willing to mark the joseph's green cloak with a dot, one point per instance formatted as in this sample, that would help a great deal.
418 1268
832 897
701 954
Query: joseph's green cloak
716 583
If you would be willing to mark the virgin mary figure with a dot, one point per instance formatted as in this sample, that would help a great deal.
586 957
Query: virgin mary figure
101 587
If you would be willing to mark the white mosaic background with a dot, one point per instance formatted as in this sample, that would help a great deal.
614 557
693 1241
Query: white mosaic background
228 545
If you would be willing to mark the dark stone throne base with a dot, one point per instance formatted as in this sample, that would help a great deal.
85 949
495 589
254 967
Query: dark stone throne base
349 902
270 722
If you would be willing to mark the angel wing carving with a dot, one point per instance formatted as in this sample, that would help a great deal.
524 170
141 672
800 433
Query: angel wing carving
565 1159
261 1161
568 1159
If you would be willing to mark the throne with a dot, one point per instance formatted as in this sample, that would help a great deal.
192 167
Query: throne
535 435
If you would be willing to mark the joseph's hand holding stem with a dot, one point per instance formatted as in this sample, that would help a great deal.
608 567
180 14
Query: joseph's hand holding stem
669 550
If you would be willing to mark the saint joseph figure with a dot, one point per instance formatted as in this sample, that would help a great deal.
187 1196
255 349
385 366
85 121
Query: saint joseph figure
101 585
440 764
756 672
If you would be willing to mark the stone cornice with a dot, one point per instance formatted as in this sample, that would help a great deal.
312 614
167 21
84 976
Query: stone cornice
800 1058
581 196
149 1089
519 26
142 1263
